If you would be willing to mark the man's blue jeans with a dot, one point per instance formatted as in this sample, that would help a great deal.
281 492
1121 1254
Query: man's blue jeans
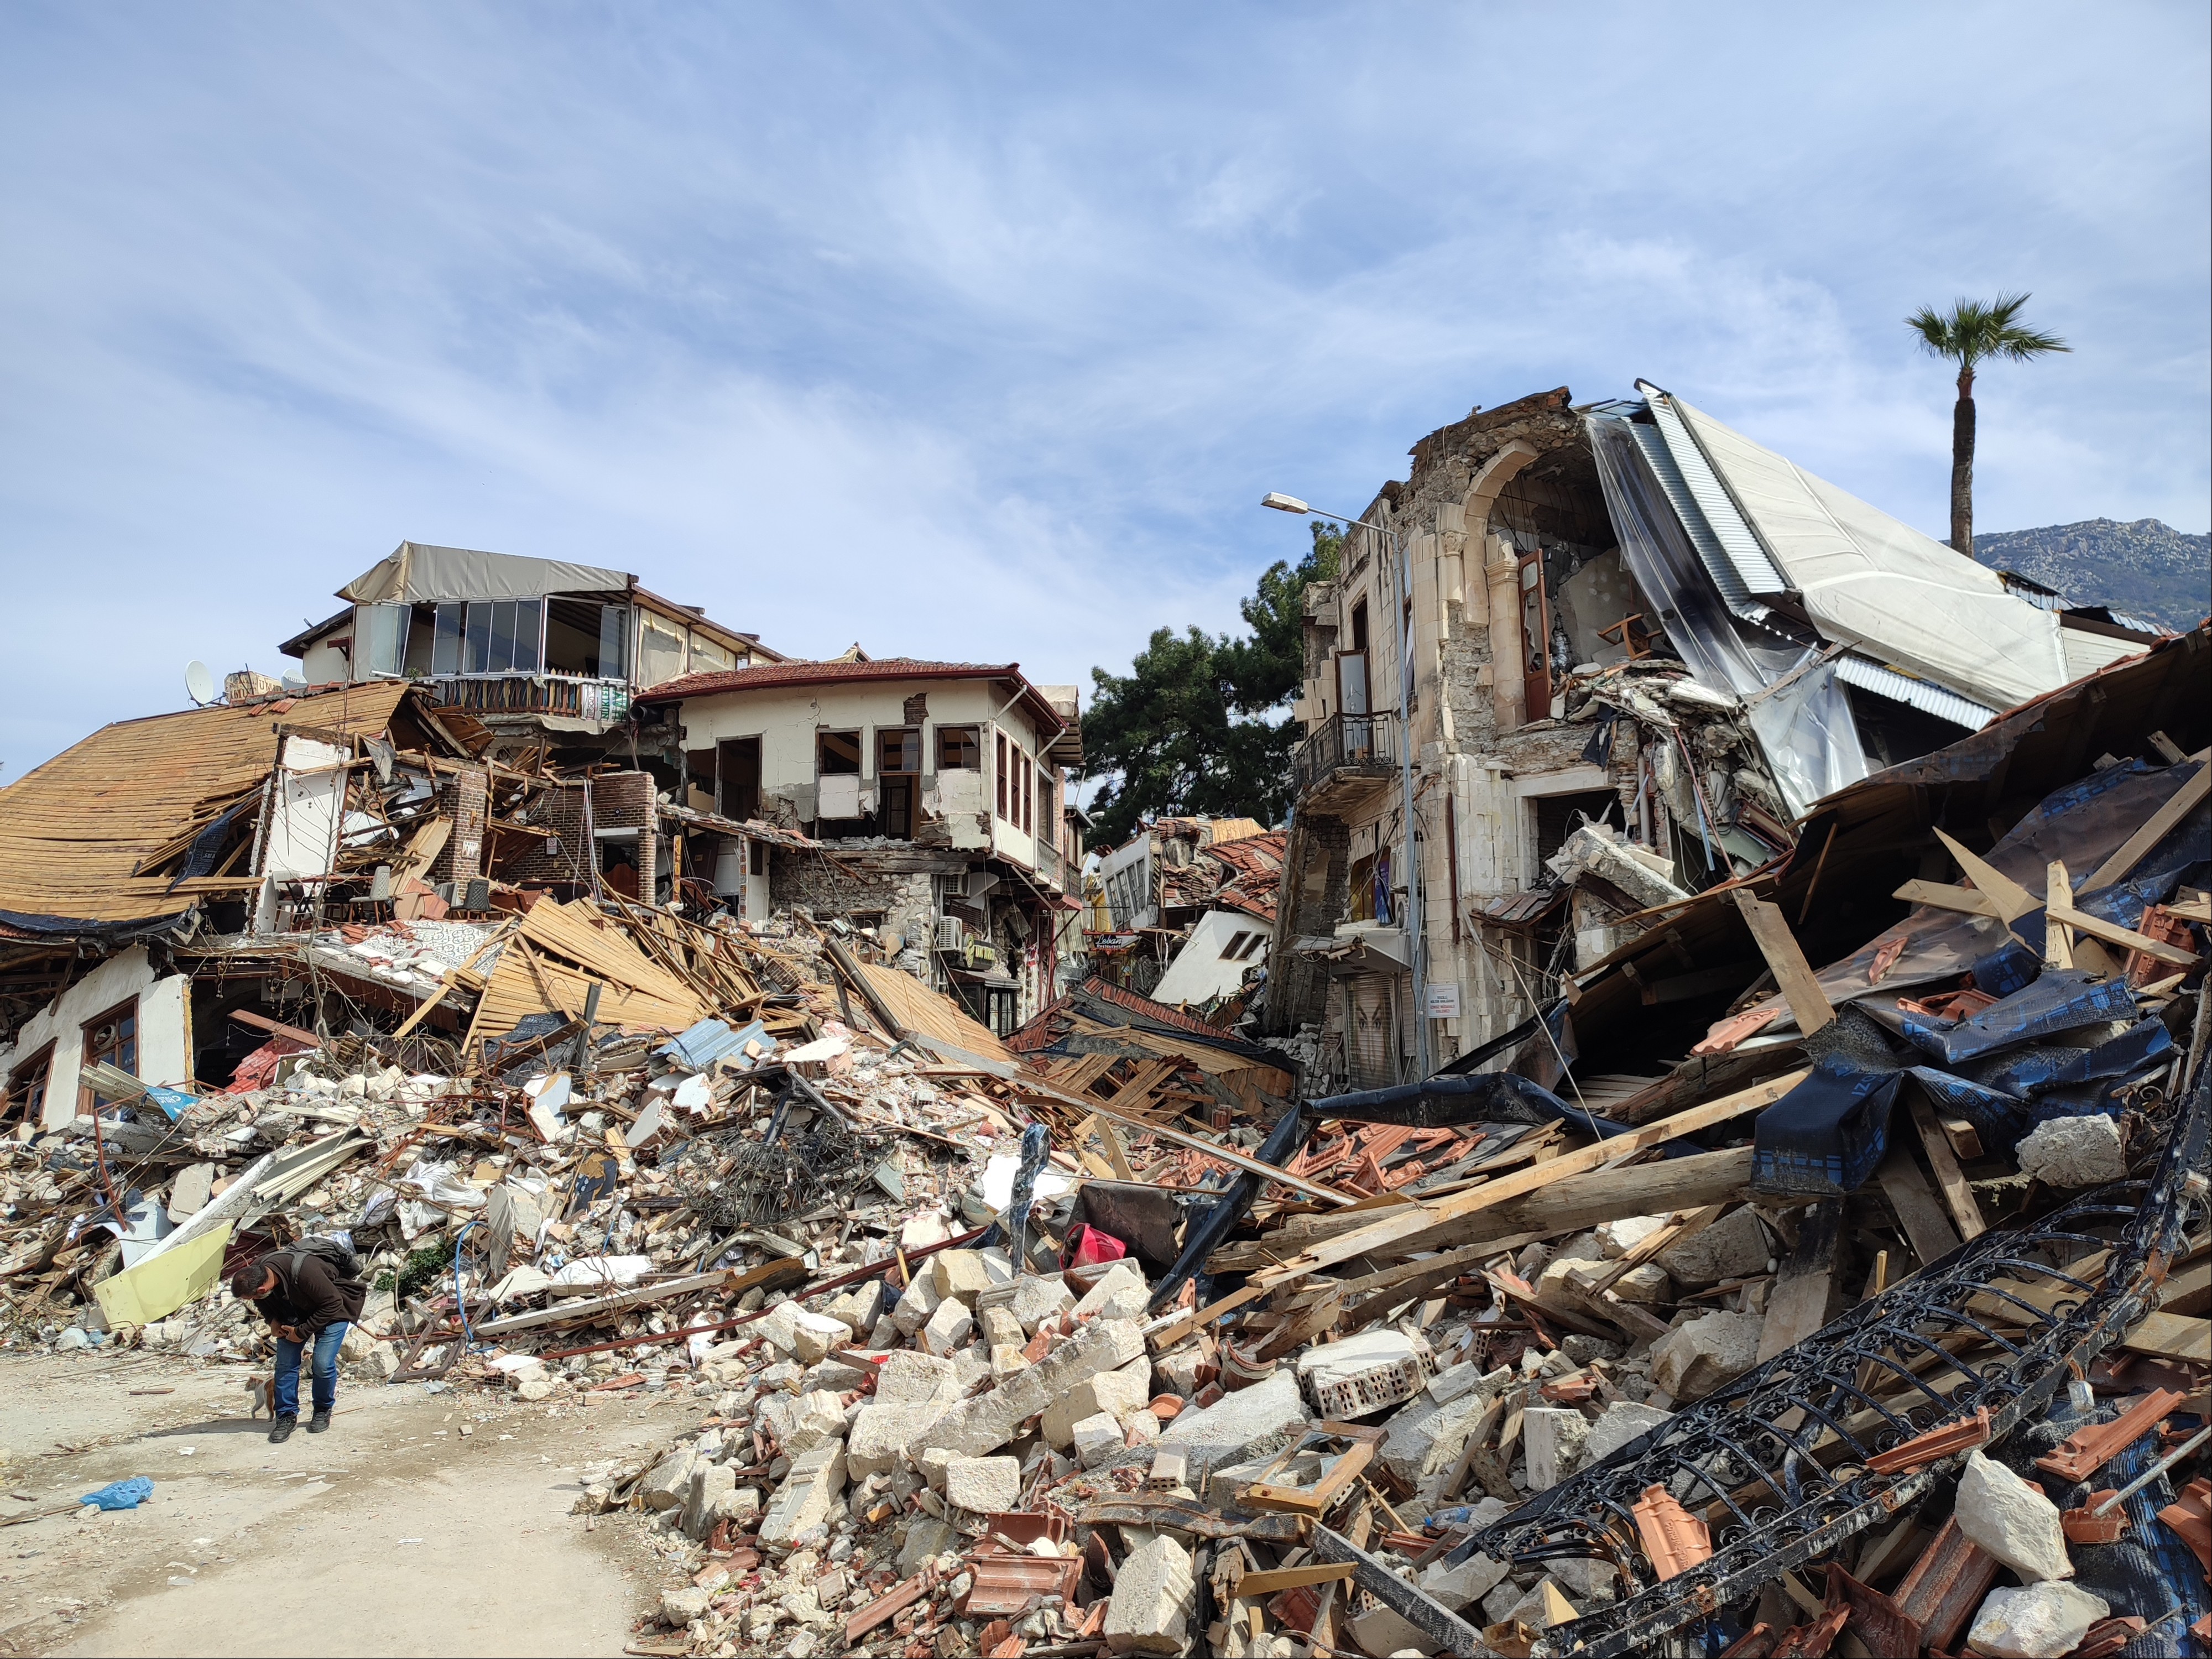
325 1366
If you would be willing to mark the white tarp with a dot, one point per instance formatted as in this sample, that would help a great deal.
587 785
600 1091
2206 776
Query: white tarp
1864 577
418 573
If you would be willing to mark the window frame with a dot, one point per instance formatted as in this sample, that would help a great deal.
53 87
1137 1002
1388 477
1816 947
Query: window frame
126 1010
999 774
36 1070
822 736
970 738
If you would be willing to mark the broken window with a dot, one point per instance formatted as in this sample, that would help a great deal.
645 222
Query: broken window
379 635
112 1037
837 754
659 652
446 654
898 768
585 638
26 1088
959 749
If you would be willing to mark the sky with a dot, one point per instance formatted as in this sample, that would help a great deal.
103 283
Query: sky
977 333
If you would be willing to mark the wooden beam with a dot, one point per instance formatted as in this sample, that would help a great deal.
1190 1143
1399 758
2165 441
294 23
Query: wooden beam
2170 1336
1255 1584
2058 899
1787 959
1807 1285
2013 901
1946 896
1950 1179
1910 1196
2112 934
2154 828
1413 1219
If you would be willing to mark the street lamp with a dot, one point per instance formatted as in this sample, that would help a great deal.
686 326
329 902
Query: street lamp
1416 941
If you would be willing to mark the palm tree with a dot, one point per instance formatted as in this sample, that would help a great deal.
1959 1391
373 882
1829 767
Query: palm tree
1970 334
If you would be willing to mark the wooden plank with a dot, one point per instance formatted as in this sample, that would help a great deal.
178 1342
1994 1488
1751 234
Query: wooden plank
1231 1154
2155 828
1787 959
1906 1187
1678 1227
2172 1336
1945 895
2058 899
2112 934
1950 1179
1255 1584
2013 901
1413 1220
1807 1285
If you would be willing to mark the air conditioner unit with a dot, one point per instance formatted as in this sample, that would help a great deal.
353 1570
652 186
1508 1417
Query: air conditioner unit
950 932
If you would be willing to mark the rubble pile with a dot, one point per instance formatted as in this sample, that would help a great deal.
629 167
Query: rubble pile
1862 1308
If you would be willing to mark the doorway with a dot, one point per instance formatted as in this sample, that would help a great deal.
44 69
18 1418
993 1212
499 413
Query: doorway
737 778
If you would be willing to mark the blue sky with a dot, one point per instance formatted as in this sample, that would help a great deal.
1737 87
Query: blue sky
978 331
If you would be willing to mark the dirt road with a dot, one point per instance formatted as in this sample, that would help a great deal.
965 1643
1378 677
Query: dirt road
395 1533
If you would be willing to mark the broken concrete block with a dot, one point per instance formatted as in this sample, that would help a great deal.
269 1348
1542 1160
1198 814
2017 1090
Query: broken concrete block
1120 1394
1615 1239
1379 1630
1424 1439
922 1229
1155 1596
1691 1361
983 1486
910 1378
1554 1437
927 1538
818 1417
1007 1359
2073 1152
1646 1283
1230 1430
1096 1440
1037 1298
1618 1424
809 1492
948 1327
679 1606
832 1376
2012 1520
998 1328
916 1304
1556 1289
1121 1294
2041 1621
1734 1247
668 1482
1454 1588
884 1435
1364 1373
709 1482
982 1424
1176 1373
859 1307
807 1337
961 1275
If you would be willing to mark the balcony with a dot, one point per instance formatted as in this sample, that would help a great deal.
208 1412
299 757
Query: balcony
1346 759
572 697
1052 866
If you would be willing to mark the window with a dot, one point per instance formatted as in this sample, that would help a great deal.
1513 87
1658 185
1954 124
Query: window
898 750
113 1037
1044 806
586 639
26 1093
837 754
1029 793
959 750
659 652
380 634
489 636
1001 770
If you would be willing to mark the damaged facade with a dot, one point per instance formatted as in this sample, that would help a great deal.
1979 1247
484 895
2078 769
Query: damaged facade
1625 615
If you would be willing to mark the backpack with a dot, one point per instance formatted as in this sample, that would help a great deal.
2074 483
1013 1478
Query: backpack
332 1253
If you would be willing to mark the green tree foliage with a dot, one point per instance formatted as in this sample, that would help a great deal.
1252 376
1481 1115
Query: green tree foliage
1969 335
1201 725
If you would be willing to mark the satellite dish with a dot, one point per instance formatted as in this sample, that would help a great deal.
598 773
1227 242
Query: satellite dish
199 684
294 680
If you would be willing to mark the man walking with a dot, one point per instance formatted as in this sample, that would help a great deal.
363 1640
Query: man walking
308 1295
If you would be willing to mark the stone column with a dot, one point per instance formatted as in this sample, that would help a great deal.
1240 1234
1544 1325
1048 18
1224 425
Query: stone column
1508 675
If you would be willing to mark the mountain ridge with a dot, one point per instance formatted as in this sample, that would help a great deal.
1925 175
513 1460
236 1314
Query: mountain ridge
2143 567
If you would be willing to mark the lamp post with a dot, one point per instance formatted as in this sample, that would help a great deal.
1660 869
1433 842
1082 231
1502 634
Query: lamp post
1416 941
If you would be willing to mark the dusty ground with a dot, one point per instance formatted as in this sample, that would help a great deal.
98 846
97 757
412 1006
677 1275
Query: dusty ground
392 1534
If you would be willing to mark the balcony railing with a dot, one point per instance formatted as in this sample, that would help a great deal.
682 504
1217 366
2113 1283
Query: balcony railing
1366 744
537 694
1052 866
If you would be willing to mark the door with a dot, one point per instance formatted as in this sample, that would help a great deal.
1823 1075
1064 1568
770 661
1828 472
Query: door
898 778
1535 637
738 777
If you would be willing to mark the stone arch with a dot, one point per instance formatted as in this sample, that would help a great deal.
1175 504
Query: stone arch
1489 482
1500 581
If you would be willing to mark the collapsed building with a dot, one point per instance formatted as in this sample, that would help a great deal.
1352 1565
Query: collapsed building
1184 910
1619 641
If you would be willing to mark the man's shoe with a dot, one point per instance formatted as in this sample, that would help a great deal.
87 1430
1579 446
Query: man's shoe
281 1430
319 1422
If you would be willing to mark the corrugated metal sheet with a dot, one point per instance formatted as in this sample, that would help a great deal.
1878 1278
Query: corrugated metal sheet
1740 557
1924 695
72 832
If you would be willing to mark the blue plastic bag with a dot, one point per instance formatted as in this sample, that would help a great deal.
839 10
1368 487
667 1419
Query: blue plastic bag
121 1494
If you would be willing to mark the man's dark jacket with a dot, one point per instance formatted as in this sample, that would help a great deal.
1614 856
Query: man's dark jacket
309 1294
